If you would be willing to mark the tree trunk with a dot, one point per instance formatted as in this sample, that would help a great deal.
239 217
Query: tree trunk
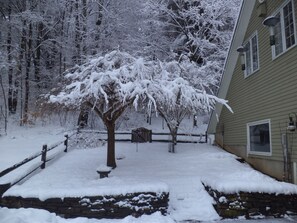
84 29
28 68
19 78
173 132
83 116
37 57
10 69
109 119
84 111
110 125
61 59
77 35
5 113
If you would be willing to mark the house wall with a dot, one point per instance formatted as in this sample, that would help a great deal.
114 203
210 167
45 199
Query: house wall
270 93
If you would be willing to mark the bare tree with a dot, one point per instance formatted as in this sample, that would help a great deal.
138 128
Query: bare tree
4 112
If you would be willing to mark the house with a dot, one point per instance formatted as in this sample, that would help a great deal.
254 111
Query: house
260 83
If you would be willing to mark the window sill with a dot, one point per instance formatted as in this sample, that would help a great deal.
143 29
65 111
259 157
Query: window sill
251 74
282 53
253 153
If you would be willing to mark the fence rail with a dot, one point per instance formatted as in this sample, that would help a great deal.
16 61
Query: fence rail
200 138
44 160
132 138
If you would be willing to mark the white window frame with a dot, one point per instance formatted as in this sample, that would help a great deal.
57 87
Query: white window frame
249 152
249 40
284 46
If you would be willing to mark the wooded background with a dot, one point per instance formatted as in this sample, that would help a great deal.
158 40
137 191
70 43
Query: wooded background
40 39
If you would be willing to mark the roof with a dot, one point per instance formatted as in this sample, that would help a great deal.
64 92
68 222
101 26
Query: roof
230 63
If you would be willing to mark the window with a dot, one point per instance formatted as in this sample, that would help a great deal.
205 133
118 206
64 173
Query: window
285 36
251 55
258 135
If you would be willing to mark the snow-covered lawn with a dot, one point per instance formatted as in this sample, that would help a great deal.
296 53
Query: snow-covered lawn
20 143
30 215
150 167
23 142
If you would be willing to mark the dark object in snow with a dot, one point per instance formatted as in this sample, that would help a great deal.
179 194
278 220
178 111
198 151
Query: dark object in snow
241 160
141 135
103 174
43 156
3 188
103 171
120 157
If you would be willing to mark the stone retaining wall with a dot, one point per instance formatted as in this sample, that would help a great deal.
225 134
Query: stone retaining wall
252 204
118 206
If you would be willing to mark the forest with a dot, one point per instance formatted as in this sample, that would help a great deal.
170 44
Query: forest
41 41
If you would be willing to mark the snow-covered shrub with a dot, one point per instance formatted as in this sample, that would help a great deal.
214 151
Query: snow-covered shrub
86 140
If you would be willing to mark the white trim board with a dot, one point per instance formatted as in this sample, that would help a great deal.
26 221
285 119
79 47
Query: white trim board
237 40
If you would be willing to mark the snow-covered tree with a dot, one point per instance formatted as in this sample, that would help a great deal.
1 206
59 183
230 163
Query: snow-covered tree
135 27
107 84
177 93
111 83
202 28
41 39
199 30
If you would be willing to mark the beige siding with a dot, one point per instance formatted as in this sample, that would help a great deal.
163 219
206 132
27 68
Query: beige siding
270 93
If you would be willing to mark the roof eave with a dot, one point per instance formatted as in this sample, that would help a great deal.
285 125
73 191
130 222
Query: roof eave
232 57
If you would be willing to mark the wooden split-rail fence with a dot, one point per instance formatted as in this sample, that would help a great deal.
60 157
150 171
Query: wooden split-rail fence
44 158
135 136
146 135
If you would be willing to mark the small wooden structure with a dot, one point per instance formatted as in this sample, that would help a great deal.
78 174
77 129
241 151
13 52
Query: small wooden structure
141 135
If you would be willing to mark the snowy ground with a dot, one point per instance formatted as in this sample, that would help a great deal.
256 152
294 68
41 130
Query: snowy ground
40 216
149 166
22 142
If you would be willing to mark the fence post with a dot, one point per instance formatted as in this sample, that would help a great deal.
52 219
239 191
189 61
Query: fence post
3 188
43 156
206 137
66 143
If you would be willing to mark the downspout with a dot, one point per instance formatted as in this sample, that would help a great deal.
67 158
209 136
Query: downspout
295 172
287 158
285 154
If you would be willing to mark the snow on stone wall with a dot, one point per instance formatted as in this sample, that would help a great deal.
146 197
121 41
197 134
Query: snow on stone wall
250 204
117 206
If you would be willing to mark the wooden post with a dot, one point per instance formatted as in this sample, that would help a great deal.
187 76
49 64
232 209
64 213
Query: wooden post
195 120
206 137
43 156
66 143
77 133
3 188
